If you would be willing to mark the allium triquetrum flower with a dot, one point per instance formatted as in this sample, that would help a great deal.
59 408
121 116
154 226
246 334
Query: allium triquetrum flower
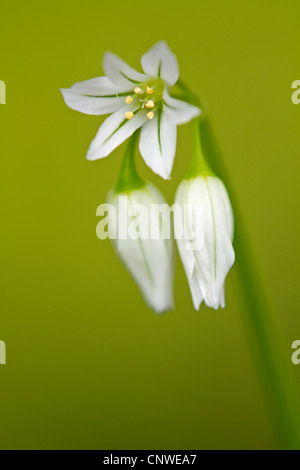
150 261
135 100
207 267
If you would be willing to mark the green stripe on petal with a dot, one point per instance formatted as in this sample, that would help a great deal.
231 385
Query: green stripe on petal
120 126
158 130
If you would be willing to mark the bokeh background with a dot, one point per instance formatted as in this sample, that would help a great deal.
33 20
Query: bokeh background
89 365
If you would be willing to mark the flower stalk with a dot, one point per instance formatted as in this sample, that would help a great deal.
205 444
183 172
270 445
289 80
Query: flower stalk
279 396
199 164
129 178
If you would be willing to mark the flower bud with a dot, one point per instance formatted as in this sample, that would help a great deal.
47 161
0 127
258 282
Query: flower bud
208 264
148 258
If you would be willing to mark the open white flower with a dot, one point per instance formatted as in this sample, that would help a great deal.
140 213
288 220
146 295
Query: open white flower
135 100
207 267
150 260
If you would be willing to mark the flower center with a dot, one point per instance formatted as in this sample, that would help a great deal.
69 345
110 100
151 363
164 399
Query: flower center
146 97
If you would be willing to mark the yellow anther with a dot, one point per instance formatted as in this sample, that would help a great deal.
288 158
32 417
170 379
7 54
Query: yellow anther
150 104
149 90
129 100
137 90
129 115
150 115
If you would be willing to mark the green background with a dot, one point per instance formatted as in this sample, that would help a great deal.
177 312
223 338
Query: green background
89 365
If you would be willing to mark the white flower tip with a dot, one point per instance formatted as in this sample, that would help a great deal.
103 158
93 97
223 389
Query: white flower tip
163 174
161 309
107 56
197 301
93 155
166 175
198 111
65 92
216 306
195 112
90 157
163 46
161 61
161 43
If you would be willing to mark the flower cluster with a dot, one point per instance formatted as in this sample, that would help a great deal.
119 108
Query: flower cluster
143 105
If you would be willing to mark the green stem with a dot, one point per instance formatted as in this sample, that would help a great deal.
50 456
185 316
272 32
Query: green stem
199 164
129 178
279 396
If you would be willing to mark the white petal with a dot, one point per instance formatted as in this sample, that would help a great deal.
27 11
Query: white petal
158 144
197 296
223 233
228 209
121 73
179 112
186 257
213 261
115 129
150 261
95 96
160 61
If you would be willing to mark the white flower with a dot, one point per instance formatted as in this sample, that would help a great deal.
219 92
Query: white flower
150 261
135 100
206 268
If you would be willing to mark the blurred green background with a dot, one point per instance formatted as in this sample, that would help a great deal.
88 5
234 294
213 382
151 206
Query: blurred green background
89 365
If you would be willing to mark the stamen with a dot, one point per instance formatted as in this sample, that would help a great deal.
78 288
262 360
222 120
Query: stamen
149 90
129 100
137 90
150 104
129 115
150 115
